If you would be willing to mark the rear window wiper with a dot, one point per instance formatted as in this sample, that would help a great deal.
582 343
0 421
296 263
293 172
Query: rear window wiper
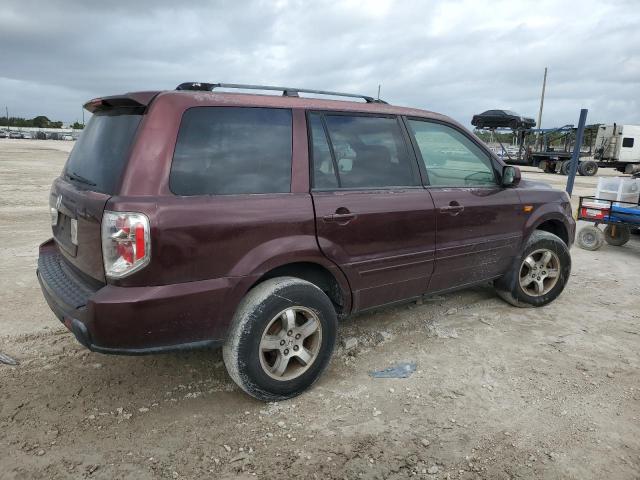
79 178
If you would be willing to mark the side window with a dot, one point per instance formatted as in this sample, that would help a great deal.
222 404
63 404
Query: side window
627 142
229 150
450 158
324 175
369 151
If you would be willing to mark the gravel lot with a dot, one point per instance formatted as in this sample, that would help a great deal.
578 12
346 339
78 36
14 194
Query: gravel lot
499 392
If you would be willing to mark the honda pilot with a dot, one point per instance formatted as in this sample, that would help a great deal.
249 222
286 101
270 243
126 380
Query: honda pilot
205 217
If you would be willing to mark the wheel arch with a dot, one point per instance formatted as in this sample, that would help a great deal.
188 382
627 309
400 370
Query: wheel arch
329 279
553 217
554 226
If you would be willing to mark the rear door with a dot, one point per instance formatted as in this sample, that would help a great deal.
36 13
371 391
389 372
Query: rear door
373 218
479 223
90 177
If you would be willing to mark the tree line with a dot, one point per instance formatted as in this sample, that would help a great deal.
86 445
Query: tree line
38 122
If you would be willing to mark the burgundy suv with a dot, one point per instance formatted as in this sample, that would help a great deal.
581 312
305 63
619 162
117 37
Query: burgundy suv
192 218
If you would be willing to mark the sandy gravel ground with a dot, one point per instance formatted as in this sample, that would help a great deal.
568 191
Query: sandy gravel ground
499 392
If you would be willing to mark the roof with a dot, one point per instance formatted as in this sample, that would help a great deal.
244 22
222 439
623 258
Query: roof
281 101
213 98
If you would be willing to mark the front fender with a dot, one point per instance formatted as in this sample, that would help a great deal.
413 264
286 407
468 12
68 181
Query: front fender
555 211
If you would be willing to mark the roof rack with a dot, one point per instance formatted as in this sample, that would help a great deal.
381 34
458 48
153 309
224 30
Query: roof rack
286 91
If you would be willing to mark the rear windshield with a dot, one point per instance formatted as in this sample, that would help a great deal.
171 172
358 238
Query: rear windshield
100 154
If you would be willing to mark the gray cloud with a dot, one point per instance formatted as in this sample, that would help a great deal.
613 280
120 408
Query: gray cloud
457 58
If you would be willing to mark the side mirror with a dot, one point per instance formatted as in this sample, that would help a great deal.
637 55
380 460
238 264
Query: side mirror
510 176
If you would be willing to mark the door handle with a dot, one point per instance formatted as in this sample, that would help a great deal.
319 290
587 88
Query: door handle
453 209
342 216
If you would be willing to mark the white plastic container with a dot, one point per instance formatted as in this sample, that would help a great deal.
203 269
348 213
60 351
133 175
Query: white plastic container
619 189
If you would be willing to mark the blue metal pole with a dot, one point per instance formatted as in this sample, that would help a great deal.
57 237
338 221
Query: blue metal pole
575 157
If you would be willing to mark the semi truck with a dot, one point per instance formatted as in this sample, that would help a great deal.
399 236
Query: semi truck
618 146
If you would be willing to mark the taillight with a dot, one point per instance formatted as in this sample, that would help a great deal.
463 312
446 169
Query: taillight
126 243
594 212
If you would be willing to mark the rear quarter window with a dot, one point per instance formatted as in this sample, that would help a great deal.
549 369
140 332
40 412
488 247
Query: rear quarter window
232 150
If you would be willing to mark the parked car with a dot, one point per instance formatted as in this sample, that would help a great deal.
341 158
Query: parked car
502 119
187 219
67 137
27 135
14 134
3 134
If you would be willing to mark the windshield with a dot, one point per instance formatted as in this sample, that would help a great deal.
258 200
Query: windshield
100 154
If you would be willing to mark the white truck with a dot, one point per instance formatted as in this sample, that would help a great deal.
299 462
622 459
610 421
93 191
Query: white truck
618 146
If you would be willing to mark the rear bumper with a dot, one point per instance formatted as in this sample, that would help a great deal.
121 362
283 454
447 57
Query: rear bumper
135 320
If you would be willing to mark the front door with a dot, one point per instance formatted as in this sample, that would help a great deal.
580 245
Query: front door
479 222
373 217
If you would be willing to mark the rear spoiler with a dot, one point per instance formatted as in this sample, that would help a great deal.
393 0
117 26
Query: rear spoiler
128 100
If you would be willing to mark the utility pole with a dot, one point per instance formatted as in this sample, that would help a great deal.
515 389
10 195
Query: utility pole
379 91
544 85
8 124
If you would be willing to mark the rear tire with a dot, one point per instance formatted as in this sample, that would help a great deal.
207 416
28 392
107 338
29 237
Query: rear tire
590 238
564 167
617 235
539 274
588 168
281 338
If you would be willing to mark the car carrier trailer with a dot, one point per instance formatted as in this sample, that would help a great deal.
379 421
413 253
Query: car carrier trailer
550 149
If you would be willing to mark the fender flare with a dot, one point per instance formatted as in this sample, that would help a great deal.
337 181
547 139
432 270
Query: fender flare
542 216
254 265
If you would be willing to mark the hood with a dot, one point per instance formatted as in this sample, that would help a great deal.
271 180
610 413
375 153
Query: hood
533 184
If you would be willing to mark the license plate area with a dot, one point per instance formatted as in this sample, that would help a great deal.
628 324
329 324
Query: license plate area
65 233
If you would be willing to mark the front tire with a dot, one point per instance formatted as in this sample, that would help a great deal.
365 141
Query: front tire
539 274
281 338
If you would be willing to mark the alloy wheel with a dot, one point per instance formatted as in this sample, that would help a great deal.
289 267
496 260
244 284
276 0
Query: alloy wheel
539 272
290 343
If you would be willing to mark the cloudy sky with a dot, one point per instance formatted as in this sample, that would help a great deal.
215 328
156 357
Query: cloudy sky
457 58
